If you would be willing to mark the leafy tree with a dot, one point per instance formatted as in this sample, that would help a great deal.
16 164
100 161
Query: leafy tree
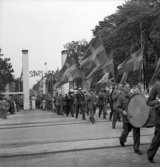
6 73
77 49
134 23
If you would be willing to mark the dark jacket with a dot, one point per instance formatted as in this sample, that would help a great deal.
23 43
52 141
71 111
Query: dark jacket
115 95
121 105
79 98
154 102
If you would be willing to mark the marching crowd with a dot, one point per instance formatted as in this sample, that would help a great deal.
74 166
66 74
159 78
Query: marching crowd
116 98
87 103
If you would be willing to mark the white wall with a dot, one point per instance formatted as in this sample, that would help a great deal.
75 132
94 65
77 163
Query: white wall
65 87
25 66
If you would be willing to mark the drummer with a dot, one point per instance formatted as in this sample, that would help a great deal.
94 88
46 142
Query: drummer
153 102
121 107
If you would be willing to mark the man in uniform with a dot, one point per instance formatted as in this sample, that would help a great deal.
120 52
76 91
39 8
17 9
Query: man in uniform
154 101
115 95
79 103
91 98
121 107
106 99
100 102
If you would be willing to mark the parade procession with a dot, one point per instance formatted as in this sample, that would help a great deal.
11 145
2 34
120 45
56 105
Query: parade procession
98 103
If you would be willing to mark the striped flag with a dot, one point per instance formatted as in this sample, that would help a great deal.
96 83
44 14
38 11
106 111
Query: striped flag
70 74
157 70
69 62
132 63
94 56
105 67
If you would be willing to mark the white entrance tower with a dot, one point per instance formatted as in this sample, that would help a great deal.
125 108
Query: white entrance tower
25 66
65 87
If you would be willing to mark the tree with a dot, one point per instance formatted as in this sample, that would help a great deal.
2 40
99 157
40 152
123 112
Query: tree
6 73
134 23
77 49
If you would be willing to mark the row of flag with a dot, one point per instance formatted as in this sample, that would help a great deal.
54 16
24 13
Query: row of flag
96 62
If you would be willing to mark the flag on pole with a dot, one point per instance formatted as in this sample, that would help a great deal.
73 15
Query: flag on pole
157 70
45 63
70 74
69 62
105 67
94 56
124 78
132 63
104 79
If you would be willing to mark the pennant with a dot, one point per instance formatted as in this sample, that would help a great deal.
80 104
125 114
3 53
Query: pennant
105 67
94 56
132 63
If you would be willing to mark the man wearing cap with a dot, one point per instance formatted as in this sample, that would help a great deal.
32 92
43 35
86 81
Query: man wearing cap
121 107
85 103
115 95
91 99
6 107
154 101
58 104
79 103
100 102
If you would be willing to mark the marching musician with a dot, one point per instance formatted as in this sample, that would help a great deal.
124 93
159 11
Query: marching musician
121 107
154 101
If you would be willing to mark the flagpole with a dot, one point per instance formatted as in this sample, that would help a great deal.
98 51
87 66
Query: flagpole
46 68
109 66
155 72
142 72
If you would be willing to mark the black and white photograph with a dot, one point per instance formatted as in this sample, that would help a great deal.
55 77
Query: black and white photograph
79 83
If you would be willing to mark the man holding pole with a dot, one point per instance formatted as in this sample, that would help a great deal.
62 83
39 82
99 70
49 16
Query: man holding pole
153 101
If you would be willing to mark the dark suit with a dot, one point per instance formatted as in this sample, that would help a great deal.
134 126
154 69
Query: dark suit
121 105
116 116
79 103
100 103
155 92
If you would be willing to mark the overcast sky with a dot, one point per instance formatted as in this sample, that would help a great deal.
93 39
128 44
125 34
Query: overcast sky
44 26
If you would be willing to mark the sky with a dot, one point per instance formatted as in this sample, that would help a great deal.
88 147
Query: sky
43 27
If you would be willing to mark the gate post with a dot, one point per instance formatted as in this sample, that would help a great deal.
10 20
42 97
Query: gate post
25 66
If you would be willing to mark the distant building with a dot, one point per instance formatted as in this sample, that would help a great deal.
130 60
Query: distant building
10 88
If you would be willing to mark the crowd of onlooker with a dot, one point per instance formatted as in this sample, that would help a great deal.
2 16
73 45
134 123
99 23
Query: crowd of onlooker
9 106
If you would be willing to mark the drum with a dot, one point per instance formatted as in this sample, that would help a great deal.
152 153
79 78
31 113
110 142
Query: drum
138 113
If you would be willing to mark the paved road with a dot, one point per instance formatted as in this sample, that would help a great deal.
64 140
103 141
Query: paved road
41 132
111 157
80 130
